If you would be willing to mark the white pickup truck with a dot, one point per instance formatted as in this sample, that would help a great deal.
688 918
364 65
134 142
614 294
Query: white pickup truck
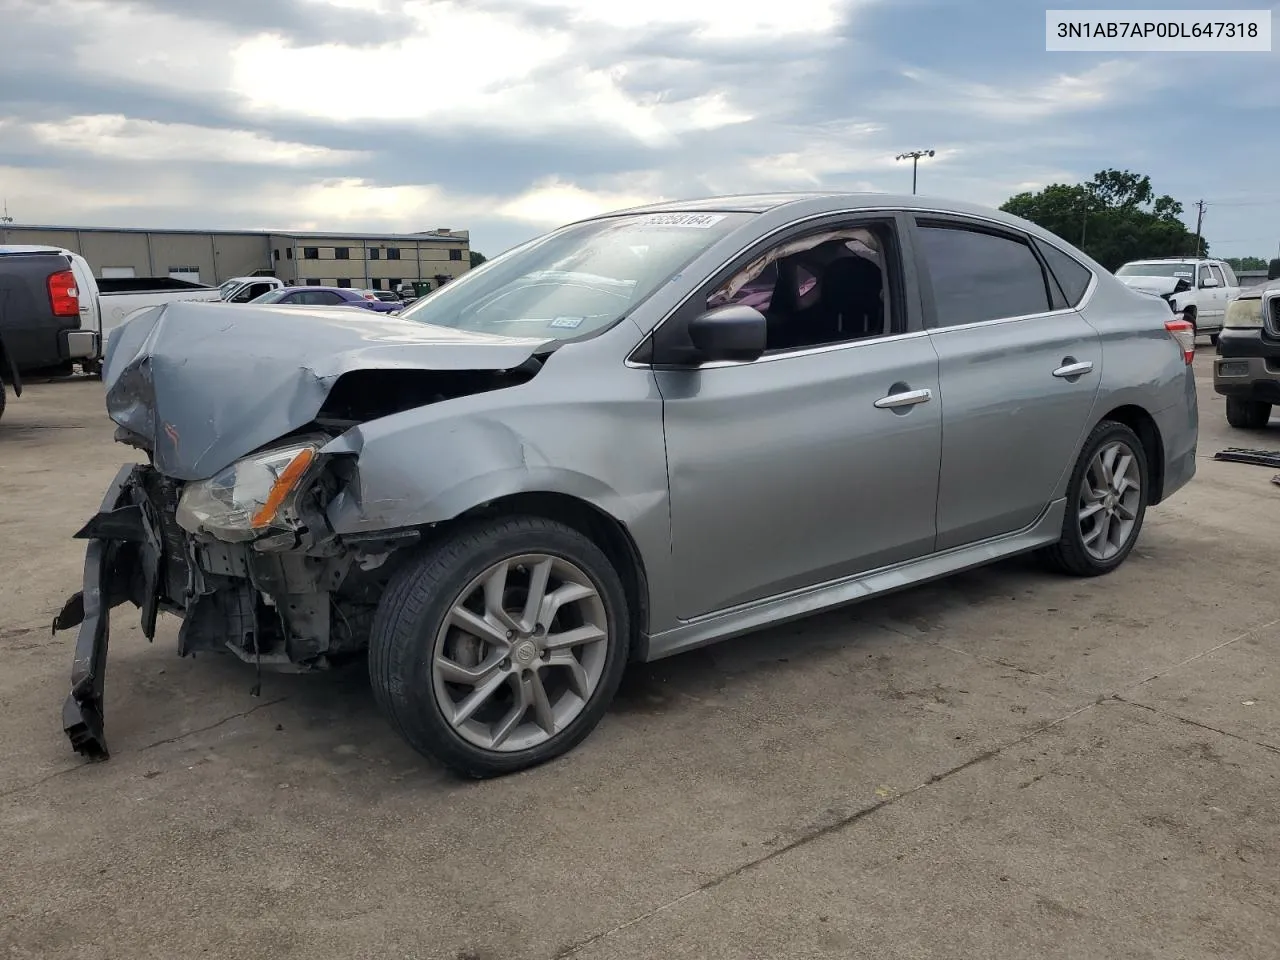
1198 289
105 304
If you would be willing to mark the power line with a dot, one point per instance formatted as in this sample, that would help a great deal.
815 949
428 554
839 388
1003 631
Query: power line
1244 203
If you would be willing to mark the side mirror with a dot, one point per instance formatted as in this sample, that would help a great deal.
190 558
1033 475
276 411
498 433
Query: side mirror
733 332
1209 282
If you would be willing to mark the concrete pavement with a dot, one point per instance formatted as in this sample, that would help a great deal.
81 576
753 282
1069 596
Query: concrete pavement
1007 764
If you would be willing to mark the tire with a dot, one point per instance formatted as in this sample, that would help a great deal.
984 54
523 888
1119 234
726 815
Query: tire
1189 315
2 396
1073 553
1213 339
1248 414
416 651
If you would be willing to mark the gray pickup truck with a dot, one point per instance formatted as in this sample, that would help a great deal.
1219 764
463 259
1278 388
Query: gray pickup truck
1247 368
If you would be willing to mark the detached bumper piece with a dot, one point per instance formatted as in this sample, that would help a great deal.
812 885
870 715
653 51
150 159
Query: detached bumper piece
122 562
1262 458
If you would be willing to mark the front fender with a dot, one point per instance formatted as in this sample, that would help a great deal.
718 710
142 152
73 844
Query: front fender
436 471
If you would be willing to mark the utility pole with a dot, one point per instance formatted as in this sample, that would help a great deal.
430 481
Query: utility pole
1199 221
914 156
5 218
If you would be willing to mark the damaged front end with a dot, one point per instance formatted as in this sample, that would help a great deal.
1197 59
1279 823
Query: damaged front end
245 559
226 525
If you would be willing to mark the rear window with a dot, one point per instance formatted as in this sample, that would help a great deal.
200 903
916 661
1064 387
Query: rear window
1073 277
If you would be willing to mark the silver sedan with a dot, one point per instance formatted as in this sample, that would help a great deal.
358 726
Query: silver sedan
635 435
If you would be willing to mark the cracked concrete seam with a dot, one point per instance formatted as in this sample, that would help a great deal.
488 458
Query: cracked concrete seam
159 743
863 812
820 832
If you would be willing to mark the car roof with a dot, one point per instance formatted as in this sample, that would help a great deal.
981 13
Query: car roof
810 203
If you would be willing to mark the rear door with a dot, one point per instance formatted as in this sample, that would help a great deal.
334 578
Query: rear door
1018 373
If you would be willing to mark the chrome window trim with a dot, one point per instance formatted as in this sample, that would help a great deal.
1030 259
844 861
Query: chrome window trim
826 348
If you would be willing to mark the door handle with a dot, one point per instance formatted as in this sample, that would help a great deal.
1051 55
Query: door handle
907 398
1069 370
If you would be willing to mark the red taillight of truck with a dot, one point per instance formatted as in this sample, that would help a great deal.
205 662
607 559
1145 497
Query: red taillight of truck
64 298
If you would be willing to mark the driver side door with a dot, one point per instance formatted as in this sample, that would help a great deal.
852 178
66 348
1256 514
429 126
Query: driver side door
813 463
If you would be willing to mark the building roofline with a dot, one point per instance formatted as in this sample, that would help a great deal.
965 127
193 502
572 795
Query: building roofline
293 234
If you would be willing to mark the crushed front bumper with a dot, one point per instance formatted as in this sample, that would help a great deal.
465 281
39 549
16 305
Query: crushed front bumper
122 562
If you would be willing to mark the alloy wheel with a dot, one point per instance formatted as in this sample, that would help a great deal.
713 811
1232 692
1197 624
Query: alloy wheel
520 653
1110 498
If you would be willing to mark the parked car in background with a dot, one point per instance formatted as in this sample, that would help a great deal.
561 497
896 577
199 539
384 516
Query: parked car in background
387 296
1197 289
591 450
244 289
1246 369
326 297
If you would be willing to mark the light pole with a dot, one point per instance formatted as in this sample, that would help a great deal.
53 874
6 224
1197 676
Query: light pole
914 156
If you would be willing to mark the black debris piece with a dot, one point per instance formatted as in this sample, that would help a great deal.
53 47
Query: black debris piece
1263 458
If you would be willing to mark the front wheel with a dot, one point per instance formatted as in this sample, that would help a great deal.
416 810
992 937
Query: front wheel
1106 503
500 647
1248 414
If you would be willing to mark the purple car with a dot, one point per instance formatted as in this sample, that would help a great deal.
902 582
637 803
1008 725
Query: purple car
328 297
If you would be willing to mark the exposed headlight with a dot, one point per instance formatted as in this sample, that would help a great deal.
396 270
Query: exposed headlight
1244 313
251 497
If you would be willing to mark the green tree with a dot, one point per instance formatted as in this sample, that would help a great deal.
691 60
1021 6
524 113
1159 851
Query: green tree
1114 218
1247 263
477 258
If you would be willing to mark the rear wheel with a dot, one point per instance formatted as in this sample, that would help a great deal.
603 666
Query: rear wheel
501 647
1106 503
2 396
1248 414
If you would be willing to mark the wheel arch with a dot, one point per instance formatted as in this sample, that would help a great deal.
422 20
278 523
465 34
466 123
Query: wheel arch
604 530
1141 422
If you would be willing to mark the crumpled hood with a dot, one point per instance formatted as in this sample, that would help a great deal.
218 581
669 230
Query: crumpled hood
203 386
1157 285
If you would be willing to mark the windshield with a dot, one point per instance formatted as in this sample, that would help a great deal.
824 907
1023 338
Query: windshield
273 296
575 281
227 287
1164 269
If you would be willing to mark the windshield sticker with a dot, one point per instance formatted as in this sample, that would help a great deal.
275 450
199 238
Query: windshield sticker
1182 273
700 220
569 322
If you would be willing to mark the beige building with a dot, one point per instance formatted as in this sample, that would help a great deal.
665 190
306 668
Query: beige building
370 260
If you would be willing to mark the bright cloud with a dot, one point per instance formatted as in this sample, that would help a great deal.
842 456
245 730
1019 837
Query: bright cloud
509 116
120 137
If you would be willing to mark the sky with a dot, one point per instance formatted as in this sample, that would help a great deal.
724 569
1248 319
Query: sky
510 117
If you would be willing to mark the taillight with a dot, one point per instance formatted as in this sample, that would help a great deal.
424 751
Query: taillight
1185 334
64 298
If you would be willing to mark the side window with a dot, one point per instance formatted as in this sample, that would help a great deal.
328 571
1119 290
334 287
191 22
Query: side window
819 288
1217 275
328 297
1204 274
978 276
1230 275
1072 276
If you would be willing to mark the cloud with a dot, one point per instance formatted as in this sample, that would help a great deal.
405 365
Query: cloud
1099 86
508 116
124 138
553 202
